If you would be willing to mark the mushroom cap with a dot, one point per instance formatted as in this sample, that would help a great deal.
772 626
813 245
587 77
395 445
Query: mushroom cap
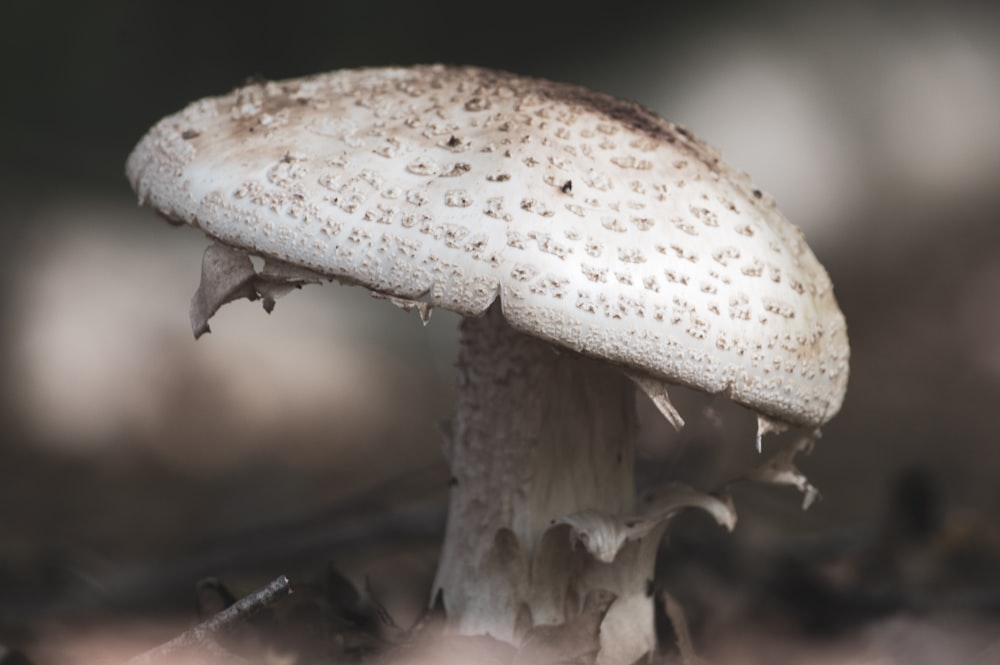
600 226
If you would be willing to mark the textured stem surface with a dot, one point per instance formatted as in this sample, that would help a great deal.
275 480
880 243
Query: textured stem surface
538 435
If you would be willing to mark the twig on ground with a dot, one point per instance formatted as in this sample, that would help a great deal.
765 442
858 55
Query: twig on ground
203 635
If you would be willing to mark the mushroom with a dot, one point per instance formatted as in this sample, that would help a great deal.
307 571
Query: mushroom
593 247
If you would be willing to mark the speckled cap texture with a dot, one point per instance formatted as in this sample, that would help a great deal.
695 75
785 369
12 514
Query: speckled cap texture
600 226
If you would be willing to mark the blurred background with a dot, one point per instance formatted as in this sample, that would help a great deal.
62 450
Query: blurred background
136 461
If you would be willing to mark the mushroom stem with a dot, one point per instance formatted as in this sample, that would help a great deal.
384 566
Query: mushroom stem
538 435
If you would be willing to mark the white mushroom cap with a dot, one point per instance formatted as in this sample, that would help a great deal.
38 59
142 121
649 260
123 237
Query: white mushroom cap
600 226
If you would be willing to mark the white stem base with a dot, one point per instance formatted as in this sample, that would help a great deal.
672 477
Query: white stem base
539 435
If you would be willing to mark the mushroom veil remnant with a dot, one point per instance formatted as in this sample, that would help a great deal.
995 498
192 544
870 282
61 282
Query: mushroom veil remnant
593 247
